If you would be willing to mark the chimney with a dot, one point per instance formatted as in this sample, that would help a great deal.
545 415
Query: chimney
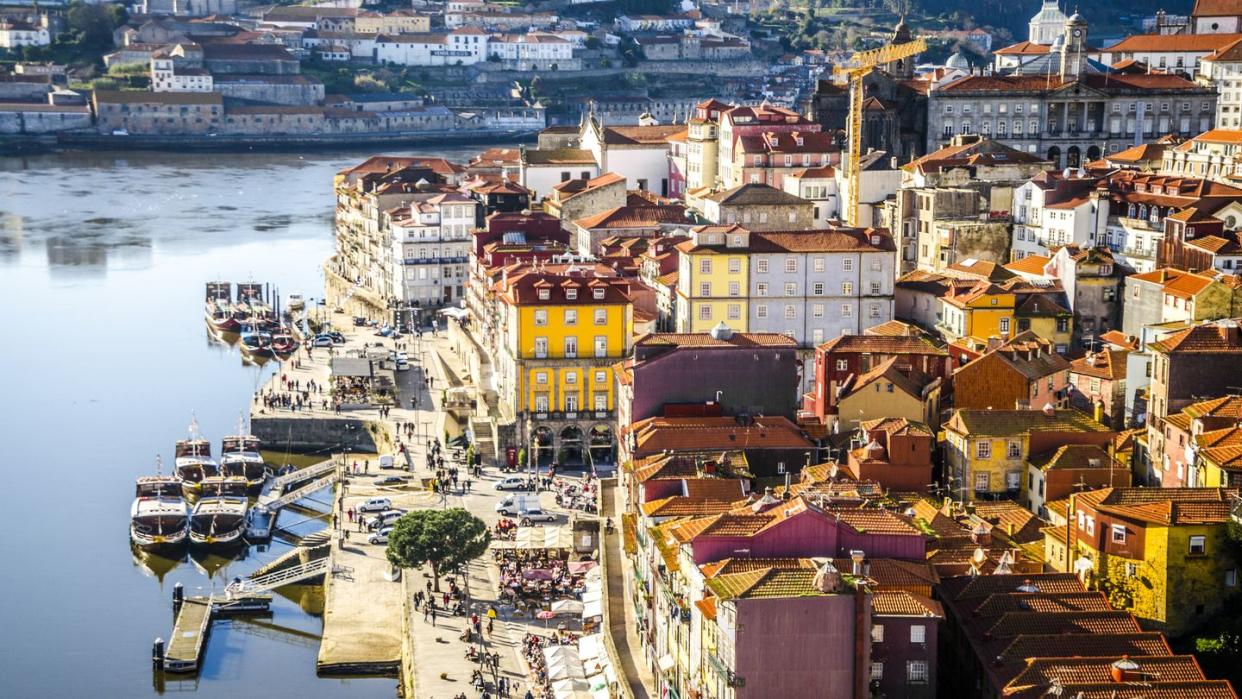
857 557
1125 670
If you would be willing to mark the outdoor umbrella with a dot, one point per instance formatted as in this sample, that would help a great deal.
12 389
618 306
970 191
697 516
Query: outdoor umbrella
537 574
567 606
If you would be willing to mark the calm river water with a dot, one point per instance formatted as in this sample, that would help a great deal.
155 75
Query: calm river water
103 257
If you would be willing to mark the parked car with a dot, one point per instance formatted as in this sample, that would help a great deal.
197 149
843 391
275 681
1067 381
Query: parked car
400 357
389 480
381 536
403 365
322 341
534 514
359 321
375 505
382 519
513 483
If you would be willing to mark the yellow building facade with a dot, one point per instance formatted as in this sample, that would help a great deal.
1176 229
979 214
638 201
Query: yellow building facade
714 271
984 311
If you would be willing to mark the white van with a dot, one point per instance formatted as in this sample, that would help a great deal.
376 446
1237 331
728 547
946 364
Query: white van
386 460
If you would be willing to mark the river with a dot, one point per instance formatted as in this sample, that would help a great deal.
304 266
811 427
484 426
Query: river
103 258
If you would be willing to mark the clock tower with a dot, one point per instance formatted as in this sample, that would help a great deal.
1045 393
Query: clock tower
1074 48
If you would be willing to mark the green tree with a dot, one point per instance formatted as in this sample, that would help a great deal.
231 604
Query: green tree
443 539
93 23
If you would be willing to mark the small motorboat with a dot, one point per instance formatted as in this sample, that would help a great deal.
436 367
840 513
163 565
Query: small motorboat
159 517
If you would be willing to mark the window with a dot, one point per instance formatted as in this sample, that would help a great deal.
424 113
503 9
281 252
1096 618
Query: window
705 265
735 289
818 264
705 289
847 311
761 289
791 265
761 311
541 403
875 288
601 346
735 265
847 288
571 377
541 377
761 266
571 316
1004 326
1231 577
1198 545
983 482
817 289
1014 450
918 633
571 294
791 311
735 311
541 347
705 312
541 316
1118 533
598 294
916 672
601 401
983 449
601 316
571 347
601 377
1090 525
847 264
817 310
877 671
791 289
877 633
1013 480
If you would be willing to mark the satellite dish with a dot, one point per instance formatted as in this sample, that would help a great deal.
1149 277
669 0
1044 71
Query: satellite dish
979 556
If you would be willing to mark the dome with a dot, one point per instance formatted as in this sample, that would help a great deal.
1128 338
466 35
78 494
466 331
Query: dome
722 331
958 61
901 34
1050 12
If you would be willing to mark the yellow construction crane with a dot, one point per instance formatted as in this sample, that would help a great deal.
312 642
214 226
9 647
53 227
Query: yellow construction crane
865 62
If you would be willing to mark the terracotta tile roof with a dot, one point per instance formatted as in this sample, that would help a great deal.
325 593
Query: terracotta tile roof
715 433
896 425
826 240
1225 457
1072 456
1005 602
723 489
1109 364
707 341
707 606
681 506
1199 689
1119 339
903 603
1181 43
1031 264
876 522
1225 406
1001 423
891 574
558 156
1163 506
1018 623
729 566
1215 8
1085 646
883 344
1188 285
983 586
894 328
765 583
664 466
983 152
1040 673
636 217
1211 338
641 135
1023 48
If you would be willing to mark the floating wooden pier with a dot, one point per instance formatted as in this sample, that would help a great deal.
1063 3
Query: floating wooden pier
193 625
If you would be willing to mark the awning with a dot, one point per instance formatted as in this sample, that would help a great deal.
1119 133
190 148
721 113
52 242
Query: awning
593 609
454 312
563 663
571 689
581 567
567 606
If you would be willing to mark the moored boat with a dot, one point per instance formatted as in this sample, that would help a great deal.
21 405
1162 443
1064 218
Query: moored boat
159 517
257 344
284 344
240 458
218 520
193 461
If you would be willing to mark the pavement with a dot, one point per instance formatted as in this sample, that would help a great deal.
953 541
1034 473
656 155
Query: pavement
362 618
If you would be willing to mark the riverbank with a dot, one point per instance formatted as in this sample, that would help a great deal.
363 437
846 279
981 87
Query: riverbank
21 144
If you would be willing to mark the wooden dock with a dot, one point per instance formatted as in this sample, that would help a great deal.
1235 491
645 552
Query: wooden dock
193 624
189 635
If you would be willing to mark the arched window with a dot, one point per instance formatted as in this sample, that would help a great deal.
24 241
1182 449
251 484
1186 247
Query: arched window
1132 211
1142 211
1155 214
